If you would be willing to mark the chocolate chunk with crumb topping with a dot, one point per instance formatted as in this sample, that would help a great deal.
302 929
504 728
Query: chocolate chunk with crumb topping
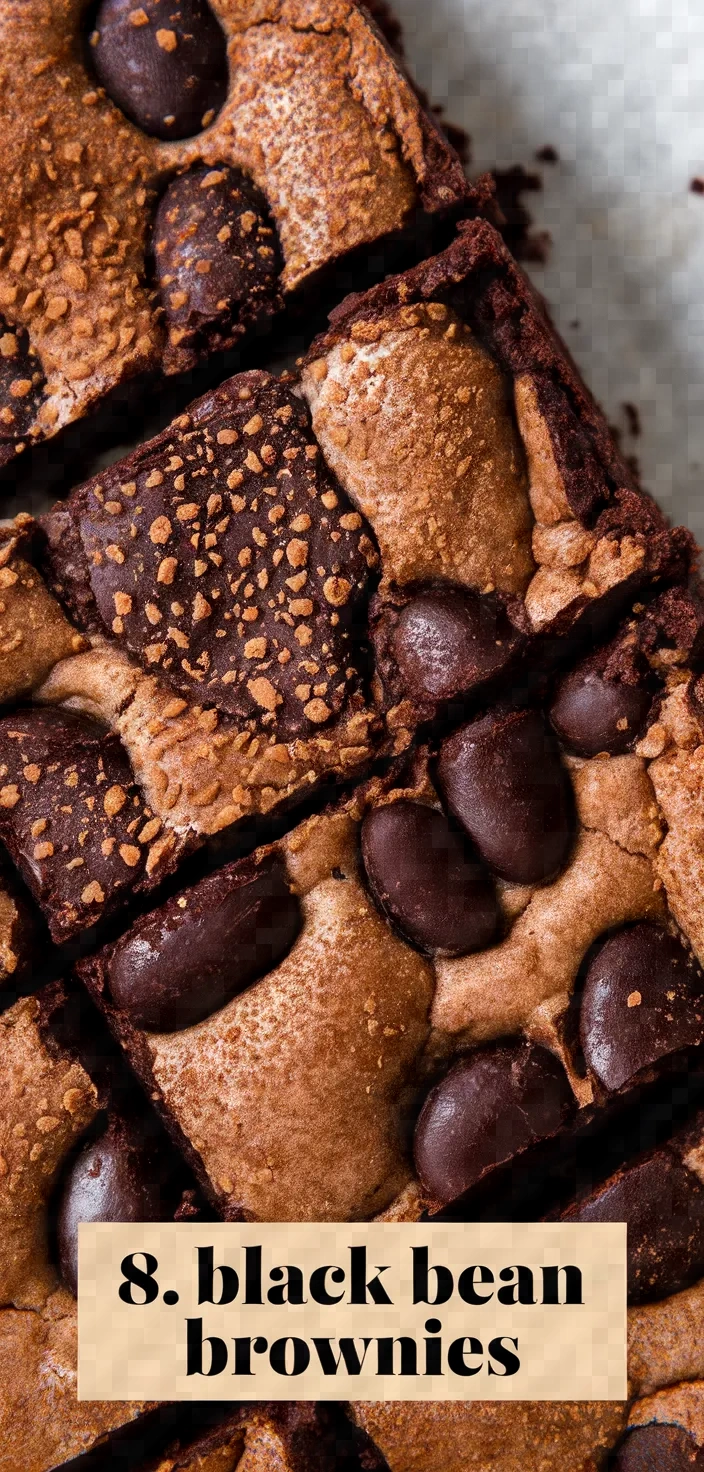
193 955
21 381
659 1449
166 67
643 998
225 557
488 1109
217 261
72 817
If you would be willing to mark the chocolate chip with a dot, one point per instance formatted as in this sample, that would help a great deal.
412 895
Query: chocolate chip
663 1204
217 258
659 1449
503 779
449 640
591 713
164 65
426 879
643 998
223 555
113 1179
185 962
72 817
21 382
489 1108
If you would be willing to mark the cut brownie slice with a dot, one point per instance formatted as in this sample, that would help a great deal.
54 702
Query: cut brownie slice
661 1197
49 1103
180 174
455 420
409 949
222 578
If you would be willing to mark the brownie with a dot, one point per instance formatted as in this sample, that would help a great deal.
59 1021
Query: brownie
456 421
48 1103
665 1432
181 175
231 573
77 1144
491 932
220 671
661 1197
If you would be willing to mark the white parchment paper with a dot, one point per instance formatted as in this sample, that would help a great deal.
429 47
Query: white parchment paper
617 87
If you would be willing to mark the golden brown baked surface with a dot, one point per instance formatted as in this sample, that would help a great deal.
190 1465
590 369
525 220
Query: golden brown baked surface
317 112
46 1102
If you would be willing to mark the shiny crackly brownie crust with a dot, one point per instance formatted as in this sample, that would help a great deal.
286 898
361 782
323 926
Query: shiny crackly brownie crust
581 955
454 418
354 158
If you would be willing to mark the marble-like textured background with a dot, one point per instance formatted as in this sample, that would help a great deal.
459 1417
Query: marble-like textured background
617 86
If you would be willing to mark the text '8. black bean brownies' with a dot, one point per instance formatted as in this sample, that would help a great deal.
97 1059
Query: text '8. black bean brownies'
352 734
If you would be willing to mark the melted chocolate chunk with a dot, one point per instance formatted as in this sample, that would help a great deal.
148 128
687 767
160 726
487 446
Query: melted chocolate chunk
223 555
489 1108
217 258
113 1179
592 713
164 64
426 879
449 640
659 1449
71 816
21 382
663 1204
503 780
186 961
643 998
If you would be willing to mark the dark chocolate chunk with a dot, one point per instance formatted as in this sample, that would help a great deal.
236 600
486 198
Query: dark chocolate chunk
658 1448
426 879
592 713
217 258
114 1179
643 998
449 640
503 779
489 1108
663 1204
21 381
224 556
164 64
71 816
187 960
